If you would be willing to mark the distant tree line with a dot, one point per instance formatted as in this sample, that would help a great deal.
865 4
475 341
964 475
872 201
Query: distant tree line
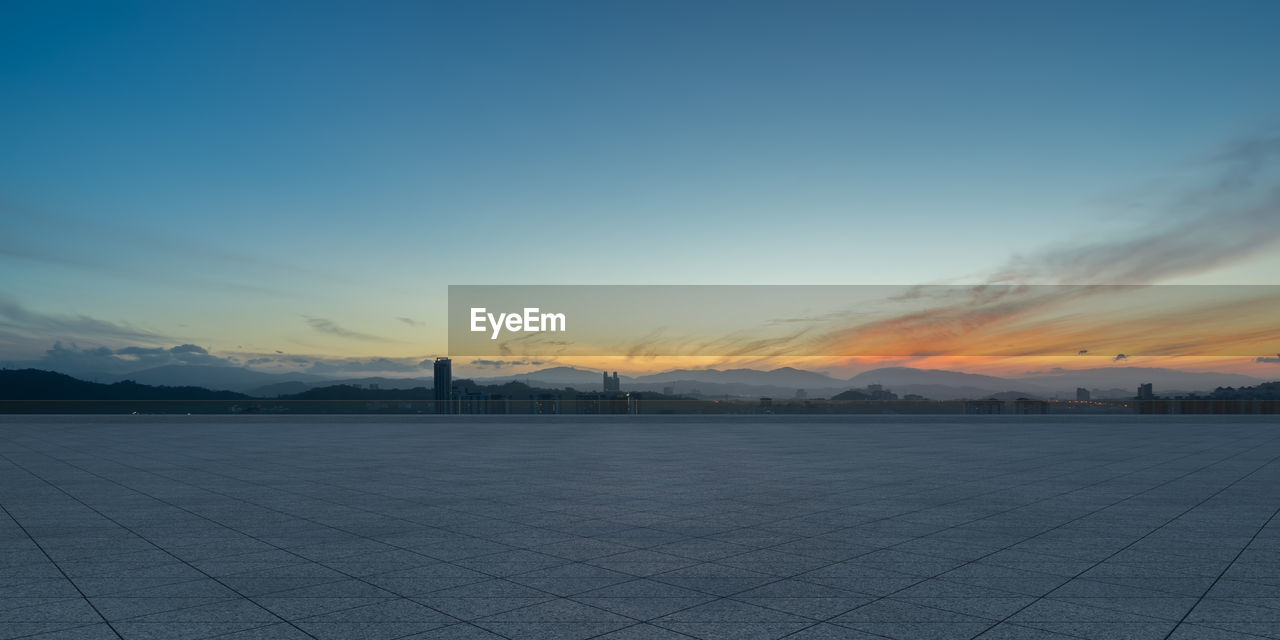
1264 391
35 384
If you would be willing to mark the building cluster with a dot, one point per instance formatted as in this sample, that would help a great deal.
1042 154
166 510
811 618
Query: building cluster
452 398
1148 402
1195 405
1021 406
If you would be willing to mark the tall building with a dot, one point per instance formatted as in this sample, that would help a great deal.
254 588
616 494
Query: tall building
1145 392
1082 394
443 383
611 384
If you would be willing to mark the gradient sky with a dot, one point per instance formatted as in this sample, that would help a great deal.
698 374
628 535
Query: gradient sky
308 177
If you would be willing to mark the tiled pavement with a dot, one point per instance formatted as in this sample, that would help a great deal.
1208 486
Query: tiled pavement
639 528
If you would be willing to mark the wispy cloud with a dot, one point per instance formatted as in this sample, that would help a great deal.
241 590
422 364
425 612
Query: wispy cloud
1245 160
1275 360
181 354
72 358
113 269
44 235
1058 319
505 363
366 365
814 319
1230 216
1233 215
72 326
325 325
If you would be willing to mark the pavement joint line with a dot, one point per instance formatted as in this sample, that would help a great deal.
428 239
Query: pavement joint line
730 596
1224 571
822 519
1146 535
20 526
889 596
307 560
128 529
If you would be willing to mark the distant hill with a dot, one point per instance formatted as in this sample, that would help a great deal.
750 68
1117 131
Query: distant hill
1105 382
282 389
1165 381
899 376
383 383
351 392
363 392
1264 391
731 381
215 377
944 392
294 386
940 384
715 389
1011 396
851 396
555 377
34 384
786 377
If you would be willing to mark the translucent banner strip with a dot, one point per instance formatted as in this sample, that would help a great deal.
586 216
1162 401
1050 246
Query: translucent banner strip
864 320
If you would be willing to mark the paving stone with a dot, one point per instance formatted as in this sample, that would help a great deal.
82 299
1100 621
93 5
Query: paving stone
907 527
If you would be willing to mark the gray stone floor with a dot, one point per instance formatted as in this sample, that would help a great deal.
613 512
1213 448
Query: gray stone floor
646 528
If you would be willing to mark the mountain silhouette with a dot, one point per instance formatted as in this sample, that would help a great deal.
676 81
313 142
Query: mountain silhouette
34 384
1166 381
941 384
783 377
240 379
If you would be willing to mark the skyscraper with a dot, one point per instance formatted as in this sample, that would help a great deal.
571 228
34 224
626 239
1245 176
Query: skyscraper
611 384
1082 394
443 383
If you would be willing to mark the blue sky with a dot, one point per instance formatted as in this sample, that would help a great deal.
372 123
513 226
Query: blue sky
242 175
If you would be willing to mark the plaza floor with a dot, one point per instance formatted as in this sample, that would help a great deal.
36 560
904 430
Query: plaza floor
639 527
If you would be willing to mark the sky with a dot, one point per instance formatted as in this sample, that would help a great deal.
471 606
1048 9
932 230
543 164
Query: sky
295 184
